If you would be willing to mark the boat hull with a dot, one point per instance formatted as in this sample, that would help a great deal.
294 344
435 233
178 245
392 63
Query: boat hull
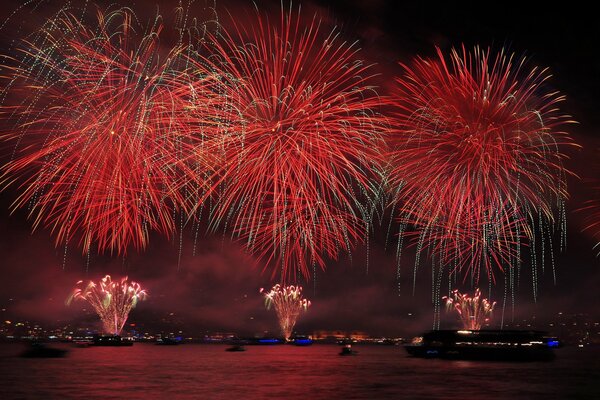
481 353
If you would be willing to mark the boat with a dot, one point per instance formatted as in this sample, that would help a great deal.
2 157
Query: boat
236 347
111 340
40 350
302 341
269 341
84 343
509 345
347 351
166 341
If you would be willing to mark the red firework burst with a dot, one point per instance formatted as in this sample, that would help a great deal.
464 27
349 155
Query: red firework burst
477 157
95 140
292 116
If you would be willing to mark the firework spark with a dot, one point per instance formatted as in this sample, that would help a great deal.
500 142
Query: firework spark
474 311
477 159
111 300
95 139
288 303
292 114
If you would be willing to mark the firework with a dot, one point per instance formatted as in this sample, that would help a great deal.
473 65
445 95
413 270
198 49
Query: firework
474 311
593 222
477 159
96 141
291 112
111 300
288 303
591 214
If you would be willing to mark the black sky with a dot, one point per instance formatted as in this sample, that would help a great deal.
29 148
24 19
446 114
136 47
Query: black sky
218 288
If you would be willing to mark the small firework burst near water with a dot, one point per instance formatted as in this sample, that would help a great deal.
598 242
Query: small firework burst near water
95 142
477 160
474 311
294 116
288 303
111 300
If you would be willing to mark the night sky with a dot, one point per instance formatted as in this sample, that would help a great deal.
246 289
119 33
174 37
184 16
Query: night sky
218 289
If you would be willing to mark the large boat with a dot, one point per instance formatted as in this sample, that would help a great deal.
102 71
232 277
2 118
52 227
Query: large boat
484 345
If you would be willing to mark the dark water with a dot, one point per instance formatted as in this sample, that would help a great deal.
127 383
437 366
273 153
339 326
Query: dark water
317 372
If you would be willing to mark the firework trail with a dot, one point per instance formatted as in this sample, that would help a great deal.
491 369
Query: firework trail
112 301
96 145
591 212
288 303
477 160
592 220
292 114
474 311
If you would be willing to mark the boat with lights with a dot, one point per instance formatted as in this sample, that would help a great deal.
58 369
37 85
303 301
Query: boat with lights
112 340
509 345
302 341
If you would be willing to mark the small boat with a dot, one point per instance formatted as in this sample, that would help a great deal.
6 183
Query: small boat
493 345
302 341
168 341
111 340
236 347
40 350
347 351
